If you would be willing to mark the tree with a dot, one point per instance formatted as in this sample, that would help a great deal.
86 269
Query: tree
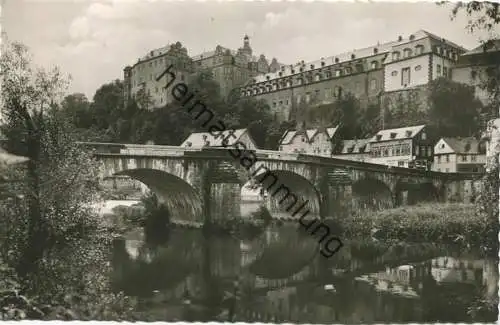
28 95
453 108
58 241
107 104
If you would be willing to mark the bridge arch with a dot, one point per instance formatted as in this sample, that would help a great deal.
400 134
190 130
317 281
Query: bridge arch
409 193
371 193
182 200
288 193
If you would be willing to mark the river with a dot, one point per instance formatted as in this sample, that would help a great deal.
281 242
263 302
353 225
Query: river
277 275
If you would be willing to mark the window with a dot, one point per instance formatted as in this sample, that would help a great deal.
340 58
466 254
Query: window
348 70
447 160
464 157
438 70
406 53
328 74
393 135
429 151
473 158
373 84
338 73
423 136
418 68
405 76
439 159
419 49
353 56
395 56
445 72
401 163
447 170
394 73
374 65
317 77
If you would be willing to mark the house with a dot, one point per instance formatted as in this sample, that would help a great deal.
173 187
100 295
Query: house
455 155
318 141
407 147
206 139
358 150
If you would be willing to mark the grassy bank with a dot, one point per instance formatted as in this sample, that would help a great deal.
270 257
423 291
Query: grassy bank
457 223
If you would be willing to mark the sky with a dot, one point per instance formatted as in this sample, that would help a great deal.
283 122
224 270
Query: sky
93 40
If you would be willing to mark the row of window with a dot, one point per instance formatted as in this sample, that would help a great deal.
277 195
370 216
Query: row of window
395 72
446 71
373 86
389 151
400 150
137 82
462 158
407 52
281 84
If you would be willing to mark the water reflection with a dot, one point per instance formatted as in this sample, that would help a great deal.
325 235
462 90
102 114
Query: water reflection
280 277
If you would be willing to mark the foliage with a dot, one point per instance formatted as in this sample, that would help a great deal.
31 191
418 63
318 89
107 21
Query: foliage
453 223
454 110
51 238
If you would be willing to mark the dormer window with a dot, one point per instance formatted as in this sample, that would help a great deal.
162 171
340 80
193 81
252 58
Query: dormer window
336 60
419 49
424 136
353 56
338 73
348 70
406 53
267 77
350 149
312 66
408 134
393 135
395 56
374 65
379 136
317 77
375 50
322 64
467 147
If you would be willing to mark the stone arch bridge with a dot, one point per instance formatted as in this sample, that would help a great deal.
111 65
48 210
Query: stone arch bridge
199 183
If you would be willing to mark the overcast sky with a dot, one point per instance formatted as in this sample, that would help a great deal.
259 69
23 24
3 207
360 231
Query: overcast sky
92 40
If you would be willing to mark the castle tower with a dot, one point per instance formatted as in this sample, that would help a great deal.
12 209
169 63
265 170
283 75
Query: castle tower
246 46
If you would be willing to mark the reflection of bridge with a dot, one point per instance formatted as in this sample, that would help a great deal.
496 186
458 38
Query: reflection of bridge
197 182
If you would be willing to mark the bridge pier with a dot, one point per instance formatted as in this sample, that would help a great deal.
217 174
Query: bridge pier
224 201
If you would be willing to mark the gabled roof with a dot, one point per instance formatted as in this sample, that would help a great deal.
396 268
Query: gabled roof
468 145
356 145
309 133
407 132
200 139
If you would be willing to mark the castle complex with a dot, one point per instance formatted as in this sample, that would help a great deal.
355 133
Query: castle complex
383 73
231 69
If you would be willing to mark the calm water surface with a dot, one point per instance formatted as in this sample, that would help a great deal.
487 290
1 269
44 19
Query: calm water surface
277 275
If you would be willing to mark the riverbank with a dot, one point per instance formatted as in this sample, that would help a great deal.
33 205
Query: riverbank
432 222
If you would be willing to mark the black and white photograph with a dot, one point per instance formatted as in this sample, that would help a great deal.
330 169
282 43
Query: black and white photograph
303 162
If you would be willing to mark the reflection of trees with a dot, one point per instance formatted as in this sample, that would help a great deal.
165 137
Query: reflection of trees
285 255
157 268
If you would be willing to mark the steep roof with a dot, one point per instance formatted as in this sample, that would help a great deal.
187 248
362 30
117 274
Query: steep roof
468 145
199 139
309 133
354 146
407 132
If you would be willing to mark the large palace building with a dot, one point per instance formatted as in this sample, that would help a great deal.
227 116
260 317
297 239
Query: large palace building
384 73
231 69
380 72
